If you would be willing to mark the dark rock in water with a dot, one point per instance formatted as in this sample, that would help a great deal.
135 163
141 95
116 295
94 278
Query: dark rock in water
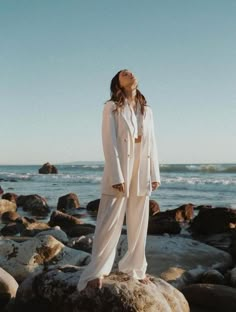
55 290
10 216
47 168
153 207
218 298
212 277
67 202
80 229
36 204
33 229
10 196
160 223
12 229
8 288
213 220
182 213
64 220
93 205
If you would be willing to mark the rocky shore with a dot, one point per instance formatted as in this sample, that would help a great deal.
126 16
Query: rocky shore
191 253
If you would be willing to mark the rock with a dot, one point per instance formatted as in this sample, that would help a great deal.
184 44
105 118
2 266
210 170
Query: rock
178 260
232 277
213 220
67 202
182 213
6 205
48 168
37 254
57 233
64 220
218 298
222 241
153 207
12 229
93 205
36 204
82 243
10 216
55 290
10 196
160 223
212 277
8 288
80 229
32 229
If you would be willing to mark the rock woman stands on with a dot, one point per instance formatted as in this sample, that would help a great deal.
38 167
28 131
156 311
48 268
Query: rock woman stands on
131 173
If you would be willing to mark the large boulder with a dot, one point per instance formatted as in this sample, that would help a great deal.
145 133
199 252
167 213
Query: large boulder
178 260
93 205
56 290
67 202
35 204
36 254
47 168
6 205
217 298
153 207
8 288
213 220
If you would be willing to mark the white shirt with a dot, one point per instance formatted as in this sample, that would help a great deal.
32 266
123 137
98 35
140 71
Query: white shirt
136 120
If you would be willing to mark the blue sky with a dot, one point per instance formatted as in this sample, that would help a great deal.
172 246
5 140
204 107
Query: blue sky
57 59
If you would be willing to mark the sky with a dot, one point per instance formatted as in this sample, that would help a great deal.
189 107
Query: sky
57 58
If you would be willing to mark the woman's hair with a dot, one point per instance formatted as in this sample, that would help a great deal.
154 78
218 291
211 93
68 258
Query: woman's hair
118 95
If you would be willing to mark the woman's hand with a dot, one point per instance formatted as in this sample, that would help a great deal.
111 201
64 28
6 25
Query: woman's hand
155 185
120 187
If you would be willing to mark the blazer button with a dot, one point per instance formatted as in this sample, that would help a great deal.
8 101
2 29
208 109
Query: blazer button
148 156
125 140
128 155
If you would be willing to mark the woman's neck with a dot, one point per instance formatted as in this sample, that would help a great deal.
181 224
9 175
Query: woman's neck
130 94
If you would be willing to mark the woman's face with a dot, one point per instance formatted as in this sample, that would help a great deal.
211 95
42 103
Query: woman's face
127 79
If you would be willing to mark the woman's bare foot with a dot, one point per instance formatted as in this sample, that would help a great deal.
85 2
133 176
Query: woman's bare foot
145 280
95 283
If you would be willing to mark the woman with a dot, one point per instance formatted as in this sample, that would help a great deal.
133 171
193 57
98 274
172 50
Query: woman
131 173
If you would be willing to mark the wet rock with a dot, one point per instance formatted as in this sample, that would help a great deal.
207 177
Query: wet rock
212 277
213 220
47 168
67 202
178 260
64 220
10 196
37 254
10 216
6 205
153 207
32 229
12 229
80 229
35 204
160 223
93 205
84 243
8 288
218 298
57 233
56 291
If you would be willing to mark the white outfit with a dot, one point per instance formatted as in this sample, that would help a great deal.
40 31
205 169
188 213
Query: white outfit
114 205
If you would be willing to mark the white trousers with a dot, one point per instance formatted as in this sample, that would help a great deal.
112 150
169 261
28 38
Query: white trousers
110 219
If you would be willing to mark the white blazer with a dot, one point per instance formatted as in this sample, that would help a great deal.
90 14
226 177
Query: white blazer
118 147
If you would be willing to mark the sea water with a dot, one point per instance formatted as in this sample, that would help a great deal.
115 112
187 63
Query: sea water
199 184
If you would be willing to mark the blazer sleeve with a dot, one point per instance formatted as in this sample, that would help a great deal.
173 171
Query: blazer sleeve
154 162
109 141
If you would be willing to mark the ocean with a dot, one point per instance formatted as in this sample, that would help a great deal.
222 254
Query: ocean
199 184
